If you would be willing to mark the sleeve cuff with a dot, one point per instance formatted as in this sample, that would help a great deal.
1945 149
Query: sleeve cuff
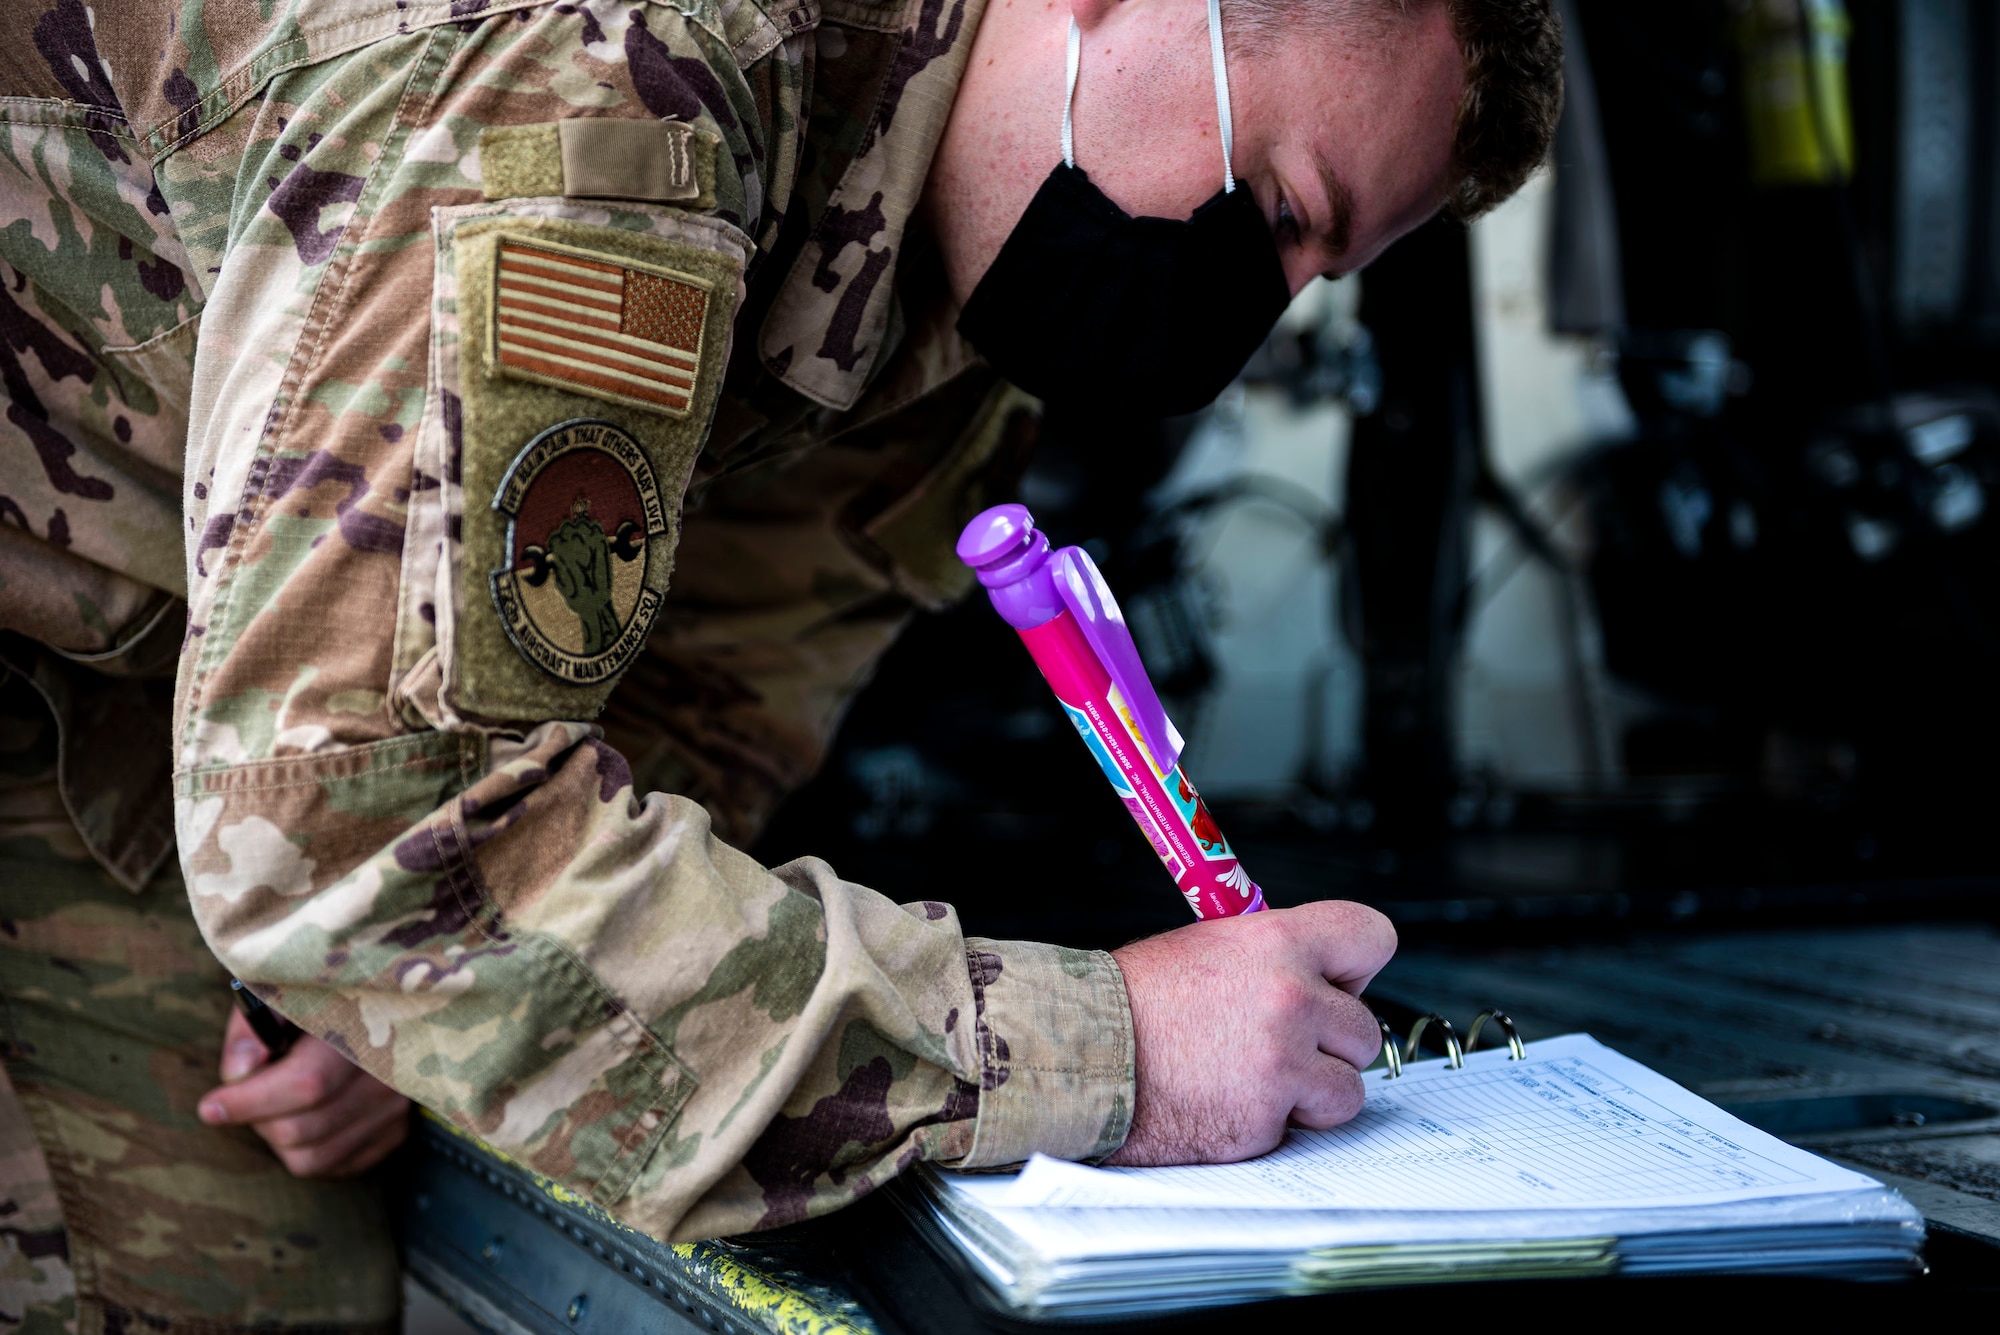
1053 1030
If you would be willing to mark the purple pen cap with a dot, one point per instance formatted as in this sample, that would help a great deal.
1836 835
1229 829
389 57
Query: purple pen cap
1030 587
1011 557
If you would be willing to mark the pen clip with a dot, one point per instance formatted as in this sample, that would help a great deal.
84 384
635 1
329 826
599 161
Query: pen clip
1089 600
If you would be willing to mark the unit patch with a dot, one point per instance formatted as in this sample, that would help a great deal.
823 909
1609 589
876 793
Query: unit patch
589 357
597 324
583 514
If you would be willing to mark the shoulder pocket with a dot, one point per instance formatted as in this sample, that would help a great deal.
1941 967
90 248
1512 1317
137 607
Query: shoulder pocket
590 342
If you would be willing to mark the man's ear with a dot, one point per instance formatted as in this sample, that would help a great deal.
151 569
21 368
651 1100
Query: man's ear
1089 13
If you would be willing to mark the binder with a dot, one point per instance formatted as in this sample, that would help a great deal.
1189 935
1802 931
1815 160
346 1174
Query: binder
1454 1050
1500 1159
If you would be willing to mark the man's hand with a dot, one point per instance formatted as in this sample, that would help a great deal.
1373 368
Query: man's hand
322 1114
1248 1023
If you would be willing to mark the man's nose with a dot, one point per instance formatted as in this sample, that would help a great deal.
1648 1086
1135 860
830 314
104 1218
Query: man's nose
1299 267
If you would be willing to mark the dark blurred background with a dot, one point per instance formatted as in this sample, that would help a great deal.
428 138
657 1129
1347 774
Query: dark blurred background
1629 558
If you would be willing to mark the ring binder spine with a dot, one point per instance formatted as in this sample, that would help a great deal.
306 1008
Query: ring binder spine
1452 1050
1518 1050
1390 1057
1455 1051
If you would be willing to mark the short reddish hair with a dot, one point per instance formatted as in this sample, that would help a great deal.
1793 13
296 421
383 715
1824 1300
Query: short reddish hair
1513 95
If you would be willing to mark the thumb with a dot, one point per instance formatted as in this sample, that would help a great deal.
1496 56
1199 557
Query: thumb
242 1051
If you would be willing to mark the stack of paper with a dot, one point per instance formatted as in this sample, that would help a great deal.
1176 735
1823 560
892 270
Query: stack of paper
1574 1161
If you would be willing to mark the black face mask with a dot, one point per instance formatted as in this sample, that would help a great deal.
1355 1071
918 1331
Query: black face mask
1096 311
1091 309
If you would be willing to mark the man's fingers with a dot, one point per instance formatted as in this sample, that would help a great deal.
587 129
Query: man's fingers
321 1114
381 1147
330 1151
354 1146
1350 1031
375 1151
1332 1094
1350 942
361 1101
1295 975
309 1075
242 1051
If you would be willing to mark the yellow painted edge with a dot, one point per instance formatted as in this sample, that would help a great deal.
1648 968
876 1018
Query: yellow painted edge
757 1295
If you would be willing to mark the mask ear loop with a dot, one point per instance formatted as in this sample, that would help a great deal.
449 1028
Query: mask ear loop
1069 95
1221 93
1222 118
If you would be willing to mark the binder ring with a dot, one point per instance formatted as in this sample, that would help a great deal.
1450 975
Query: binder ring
1452 1050
1390 1057
1517 1051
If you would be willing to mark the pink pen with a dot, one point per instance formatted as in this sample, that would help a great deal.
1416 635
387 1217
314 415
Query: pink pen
1065 614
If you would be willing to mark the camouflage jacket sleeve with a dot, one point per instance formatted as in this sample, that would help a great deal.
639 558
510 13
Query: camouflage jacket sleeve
424 539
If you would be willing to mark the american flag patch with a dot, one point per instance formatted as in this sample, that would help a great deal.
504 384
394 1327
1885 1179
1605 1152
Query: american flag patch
585 322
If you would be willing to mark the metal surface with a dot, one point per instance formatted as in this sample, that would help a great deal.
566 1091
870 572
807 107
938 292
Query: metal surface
517 1255
1876 1046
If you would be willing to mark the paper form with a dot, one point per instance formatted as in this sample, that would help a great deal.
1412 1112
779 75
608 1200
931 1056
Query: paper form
1868 1218
1576 1126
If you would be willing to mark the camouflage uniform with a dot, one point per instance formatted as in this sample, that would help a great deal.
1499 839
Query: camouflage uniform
111 1190
443 334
